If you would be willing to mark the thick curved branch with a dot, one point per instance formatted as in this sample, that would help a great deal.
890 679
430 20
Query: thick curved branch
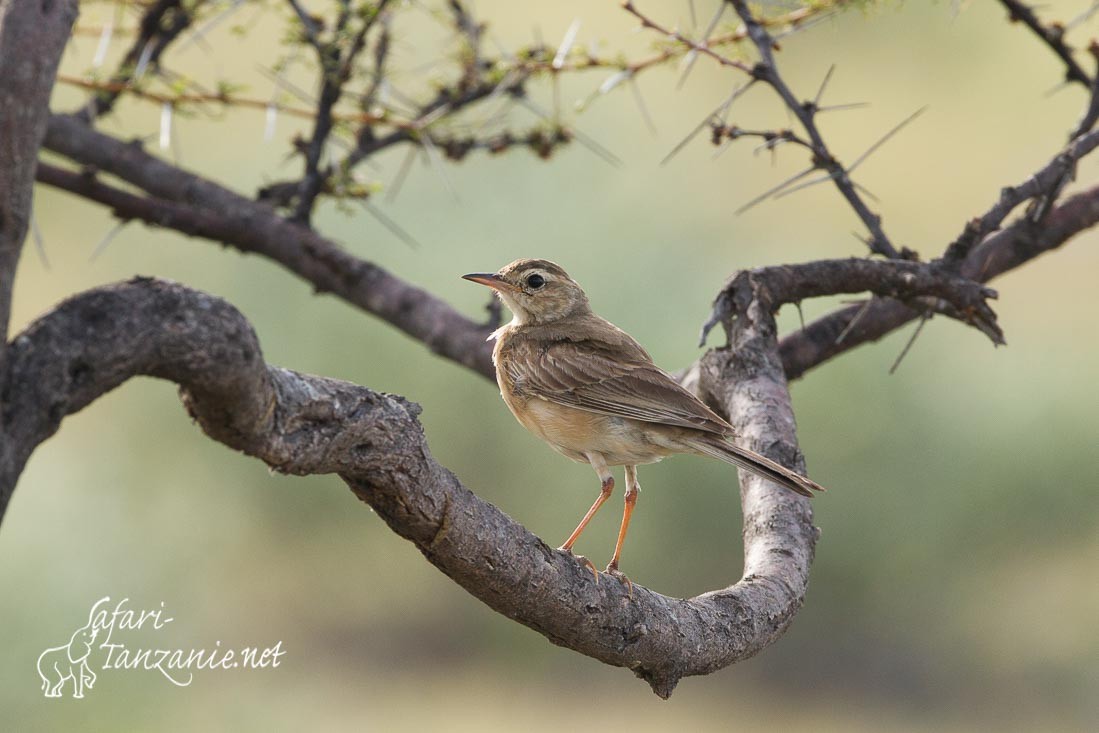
302 424
250 226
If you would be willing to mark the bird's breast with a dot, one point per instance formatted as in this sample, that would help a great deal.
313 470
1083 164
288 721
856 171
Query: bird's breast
575 433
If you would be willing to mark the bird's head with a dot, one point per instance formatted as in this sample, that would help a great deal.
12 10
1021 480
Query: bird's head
536 291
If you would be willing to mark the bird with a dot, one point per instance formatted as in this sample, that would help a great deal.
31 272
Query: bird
593 393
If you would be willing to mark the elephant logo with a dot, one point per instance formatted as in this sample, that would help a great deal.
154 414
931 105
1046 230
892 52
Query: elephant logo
60 664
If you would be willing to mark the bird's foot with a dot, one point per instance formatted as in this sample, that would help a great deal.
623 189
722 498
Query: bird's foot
613 571
583 561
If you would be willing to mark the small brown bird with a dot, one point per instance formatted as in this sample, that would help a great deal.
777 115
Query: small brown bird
588 389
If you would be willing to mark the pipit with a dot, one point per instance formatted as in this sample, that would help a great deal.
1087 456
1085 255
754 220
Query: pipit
588 389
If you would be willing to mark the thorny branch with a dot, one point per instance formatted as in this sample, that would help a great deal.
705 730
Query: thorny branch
162 23
1017 244
1037 185
766 71
909 282
336 64
1052 35
252 226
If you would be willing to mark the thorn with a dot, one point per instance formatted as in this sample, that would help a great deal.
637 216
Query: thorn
436 161
402 173
881 141
1055 89
566 44
107 239
636 89
723 147
842 107
608 84
775 190
199 34
386 221
165 125
272 116
614 80
720 110
804 26
809 184
853 322
692 55
867 191
39 243
582 138
104 43
904 352
1082 17
823 86
143 60
287 86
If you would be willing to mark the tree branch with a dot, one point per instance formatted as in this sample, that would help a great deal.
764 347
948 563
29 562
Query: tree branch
301 424
1047 182
32 37
1007 249
1053 36
251 226
336 65
778 285
766 70
161 24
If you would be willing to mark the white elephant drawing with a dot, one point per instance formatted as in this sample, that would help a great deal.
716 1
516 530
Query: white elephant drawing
68 662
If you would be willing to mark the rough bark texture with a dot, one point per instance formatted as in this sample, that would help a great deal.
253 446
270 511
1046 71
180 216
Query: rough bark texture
932 284
302 424
32 36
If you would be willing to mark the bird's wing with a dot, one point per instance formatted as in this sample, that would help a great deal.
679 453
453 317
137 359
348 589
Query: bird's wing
611 380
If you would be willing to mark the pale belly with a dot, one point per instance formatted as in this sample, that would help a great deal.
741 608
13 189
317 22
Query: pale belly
573 433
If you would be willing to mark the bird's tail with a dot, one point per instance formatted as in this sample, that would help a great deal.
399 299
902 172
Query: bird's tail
723 450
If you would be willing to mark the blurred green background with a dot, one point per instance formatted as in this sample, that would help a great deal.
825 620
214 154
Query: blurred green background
955 586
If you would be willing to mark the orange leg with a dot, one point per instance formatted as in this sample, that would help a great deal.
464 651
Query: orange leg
607 480
604 494
633 488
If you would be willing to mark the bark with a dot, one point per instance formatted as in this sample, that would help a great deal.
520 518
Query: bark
302 424
32 36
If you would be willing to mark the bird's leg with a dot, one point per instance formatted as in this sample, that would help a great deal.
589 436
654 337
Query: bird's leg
633 488
607 481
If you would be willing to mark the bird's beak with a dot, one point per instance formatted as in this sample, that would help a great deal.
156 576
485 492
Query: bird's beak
490 279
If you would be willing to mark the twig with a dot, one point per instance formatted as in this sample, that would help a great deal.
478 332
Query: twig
1011 196
1052 35
766 71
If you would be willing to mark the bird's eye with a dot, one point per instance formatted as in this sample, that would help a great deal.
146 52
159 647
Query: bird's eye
535 281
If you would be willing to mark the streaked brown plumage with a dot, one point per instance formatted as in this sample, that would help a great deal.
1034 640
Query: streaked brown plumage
593 393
